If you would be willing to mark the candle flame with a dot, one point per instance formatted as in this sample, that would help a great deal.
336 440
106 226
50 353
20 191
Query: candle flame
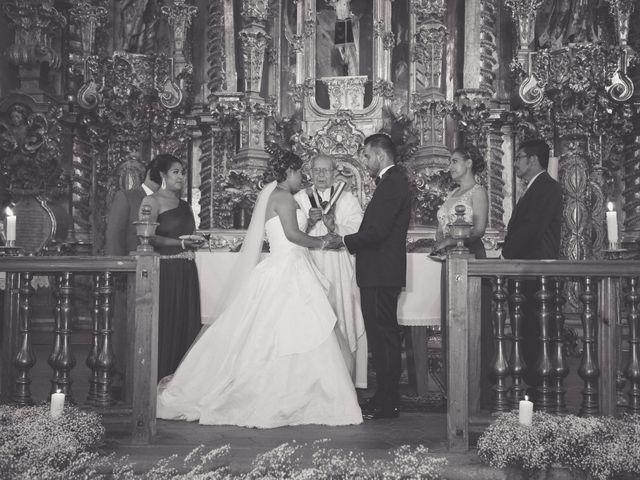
9 212
526 398
610 206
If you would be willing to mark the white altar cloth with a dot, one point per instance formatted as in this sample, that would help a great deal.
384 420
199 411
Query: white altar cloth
419 303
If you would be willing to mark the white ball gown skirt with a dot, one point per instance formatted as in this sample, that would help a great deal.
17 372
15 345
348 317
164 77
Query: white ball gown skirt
271 359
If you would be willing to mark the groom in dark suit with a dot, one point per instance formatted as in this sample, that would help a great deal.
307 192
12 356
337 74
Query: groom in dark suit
381 269
533 233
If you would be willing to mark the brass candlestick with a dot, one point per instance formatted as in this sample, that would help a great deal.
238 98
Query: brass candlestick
145 229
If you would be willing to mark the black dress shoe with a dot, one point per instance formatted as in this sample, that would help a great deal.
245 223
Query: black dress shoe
378 413
369 406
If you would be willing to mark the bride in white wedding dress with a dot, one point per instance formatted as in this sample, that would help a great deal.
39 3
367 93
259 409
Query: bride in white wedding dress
271 358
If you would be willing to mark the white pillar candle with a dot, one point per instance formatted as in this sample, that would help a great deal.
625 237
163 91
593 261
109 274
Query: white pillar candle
11 226
57 404
612 226
525 412
552 168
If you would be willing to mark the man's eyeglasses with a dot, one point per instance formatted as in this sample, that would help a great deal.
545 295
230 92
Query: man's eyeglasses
318 171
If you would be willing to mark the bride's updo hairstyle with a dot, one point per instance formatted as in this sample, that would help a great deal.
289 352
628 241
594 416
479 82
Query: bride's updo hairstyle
471 152
162 163
280 161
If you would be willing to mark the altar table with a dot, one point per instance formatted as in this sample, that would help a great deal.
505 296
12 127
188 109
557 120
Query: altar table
419 303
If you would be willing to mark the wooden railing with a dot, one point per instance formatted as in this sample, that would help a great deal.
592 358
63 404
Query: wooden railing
602 302
17 358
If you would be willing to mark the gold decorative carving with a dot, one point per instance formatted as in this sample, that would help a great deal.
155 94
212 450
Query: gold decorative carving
253 42
31 151
179 15
255 10
346 93
430 41
89 18
426 9
35 25
388 37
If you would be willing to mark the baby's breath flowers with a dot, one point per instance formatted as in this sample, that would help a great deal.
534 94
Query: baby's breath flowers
603 447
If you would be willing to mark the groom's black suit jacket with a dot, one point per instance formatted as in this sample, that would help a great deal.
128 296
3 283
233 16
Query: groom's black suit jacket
380 245
534 228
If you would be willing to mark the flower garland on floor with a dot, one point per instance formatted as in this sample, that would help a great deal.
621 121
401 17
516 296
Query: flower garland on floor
603 447
34 446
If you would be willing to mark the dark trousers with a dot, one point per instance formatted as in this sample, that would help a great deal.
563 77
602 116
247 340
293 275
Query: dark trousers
379 309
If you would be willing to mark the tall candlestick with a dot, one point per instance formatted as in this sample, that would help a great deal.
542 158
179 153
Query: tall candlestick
57 404
525 412
612 227
11 225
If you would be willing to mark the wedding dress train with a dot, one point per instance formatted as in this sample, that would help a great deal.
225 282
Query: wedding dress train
272 357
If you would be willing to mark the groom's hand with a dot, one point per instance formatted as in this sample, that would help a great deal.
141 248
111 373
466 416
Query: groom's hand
332 241
315 215
330 221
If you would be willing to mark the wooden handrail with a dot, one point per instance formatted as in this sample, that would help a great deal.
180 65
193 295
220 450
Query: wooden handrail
553 268
67 264
143 273
599 318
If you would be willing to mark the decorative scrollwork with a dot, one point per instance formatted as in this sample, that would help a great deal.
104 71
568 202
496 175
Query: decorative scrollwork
426 9
255 10
299 91
179 16
31 150
253 42
388 37
384 89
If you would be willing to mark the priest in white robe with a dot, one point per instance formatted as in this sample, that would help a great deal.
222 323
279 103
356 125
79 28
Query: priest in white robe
338 266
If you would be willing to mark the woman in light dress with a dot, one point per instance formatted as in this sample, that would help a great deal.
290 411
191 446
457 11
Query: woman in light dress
271 358
465 163
464 166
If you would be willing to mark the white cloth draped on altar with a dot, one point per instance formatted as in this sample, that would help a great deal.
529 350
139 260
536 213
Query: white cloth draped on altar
419 303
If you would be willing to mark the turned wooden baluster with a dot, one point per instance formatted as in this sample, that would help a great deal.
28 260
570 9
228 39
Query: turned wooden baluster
95 336
589 370
500 365
105 360
632 371
61 358
544 368
518 387
561 369
25 359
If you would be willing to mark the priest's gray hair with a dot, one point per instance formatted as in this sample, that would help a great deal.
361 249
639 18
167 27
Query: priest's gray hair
324 156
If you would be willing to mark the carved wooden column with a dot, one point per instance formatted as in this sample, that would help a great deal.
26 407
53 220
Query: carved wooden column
25 359
516 362
632 371
105 359
95 341
589 370
500 364
62 359
560 368
544 367
429 102
36 24
254 41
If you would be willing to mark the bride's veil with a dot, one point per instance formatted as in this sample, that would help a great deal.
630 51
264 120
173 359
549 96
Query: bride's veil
249 252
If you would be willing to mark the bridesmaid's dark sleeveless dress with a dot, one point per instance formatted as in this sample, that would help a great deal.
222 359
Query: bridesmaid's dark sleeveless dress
179 321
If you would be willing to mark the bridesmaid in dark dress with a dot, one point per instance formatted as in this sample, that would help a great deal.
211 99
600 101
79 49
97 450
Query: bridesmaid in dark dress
179 318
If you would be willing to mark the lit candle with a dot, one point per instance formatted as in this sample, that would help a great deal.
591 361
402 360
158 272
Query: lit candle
552 168
525 412
612 226
11 225
57 404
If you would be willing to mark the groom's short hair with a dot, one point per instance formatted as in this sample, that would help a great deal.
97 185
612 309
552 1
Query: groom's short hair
382 141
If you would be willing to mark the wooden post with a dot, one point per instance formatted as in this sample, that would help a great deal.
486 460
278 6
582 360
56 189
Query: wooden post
9 335
457 325
608 304
145 355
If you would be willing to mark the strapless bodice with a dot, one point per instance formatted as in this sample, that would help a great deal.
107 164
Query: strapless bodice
278 242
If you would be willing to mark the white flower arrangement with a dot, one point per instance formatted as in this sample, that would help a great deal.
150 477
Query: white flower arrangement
602 447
